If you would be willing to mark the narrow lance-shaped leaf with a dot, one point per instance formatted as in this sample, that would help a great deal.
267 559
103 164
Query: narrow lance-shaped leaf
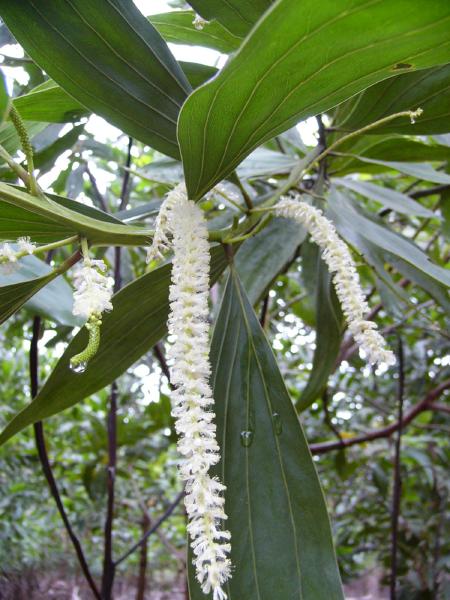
281 539
52 299
287 70
177 27
48 102
108 57
262 257
97 230
238 16
132 328
389 198
329 329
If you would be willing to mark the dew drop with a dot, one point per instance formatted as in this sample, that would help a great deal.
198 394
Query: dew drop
246 438
277 423
78 367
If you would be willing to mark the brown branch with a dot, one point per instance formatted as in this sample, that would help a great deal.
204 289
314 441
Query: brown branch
45 462
154 527
397 487
426 404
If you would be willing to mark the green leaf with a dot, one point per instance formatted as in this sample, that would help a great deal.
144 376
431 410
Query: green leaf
49 103
54 301
329 329
397 201
177 27
383 147
109 58
281 544
266 162
197 73
417 170
238 16
45 158
9 138
288 70
66 221
14 296
132 328
262 257
428 89
352 225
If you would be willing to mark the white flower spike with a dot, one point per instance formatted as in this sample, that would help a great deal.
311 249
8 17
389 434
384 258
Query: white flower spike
199 22
25 245
93 289
192 398
345 277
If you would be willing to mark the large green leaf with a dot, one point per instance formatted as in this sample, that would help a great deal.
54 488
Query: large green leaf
280 533
108 57
288 70
177 27
48 102
428 89
261 258
238 16
45 217
54 301
132 328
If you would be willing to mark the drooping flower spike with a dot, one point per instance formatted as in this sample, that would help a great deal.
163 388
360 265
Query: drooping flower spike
345 277
192 397
92 296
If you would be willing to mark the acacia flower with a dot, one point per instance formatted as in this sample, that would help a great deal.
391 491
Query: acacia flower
9 256
92 296
192 397
345 277
93 289
25 245
199 22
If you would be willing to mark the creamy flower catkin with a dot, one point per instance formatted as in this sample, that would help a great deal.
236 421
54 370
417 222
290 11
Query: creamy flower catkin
92 296
9 256
345 277
192 397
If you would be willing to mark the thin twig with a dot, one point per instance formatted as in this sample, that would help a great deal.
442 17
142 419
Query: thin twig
154 527
46 467
426 404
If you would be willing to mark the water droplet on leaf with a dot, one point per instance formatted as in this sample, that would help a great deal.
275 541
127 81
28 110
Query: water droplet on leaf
246 438
277 423
78 367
